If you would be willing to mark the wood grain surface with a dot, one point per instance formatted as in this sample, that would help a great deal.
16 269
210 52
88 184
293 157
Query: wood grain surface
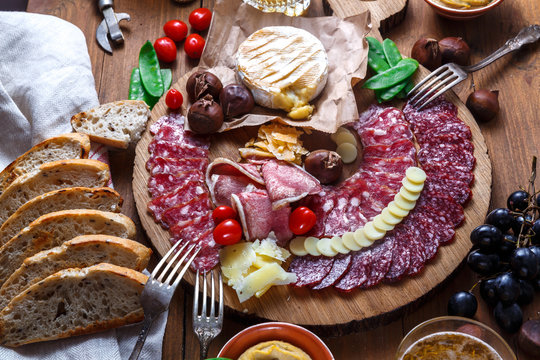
512 138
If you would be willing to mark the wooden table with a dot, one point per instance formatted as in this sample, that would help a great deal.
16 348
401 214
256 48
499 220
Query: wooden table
512 138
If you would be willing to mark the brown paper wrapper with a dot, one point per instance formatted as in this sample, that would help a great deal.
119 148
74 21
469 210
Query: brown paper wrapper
343 39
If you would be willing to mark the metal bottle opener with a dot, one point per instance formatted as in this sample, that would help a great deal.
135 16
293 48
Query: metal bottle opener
109 26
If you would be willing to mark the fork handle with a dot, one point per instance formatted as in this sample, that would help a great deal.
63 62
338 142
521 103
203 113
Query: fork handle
147 323
527 35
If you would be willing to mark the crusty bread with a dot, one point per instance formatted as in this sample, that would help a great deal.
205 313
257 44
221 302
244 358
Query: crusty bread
53 229
73 302
83 251
52 176
67 146
104 199
115 124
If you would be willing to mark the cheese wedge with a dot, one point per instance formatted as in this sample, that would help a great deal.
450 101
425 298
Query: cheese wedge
284 67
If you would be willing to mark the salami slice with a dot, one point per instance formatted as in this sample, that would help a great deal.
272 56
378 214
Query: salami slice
321 204
400 148
208 255
434 153
161 165
171 129
457 189
438 106
339 268
310 270
391 180
451 138
424 230
381 259
375 199
414 243
444 206
377 117
160 148
401 256
393 165
358 272
191 229
456 129
161 184
445 168
388 136
193 208
160 204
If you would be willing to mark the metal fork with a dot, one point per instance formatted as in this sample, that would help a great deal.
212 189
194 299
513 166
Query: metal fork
207 325
449 75
157 294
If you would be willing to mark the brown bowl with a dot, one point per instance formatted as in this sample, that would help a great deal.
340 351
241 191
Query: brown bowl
458 14
293 334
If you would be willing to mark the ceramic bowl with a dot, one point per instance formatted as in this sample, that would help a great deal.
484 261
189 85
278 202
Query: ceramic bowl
293 334
457 14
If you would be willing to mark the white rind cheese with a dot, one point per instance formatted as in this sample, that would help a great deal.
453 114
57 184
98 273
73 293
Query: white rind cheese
284 67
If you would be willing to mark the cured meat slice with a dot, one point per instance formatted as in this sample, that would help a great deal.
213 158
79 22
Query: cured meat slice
413 242
375 199
171 150
434 153
457 189
223 166
193 208
160 204
392 181
431 121
287 183
379 117
160 184
387 136
444 206
310 270
346 214
161 165
401 256
223 186
394 165
369 117
255 212
171 129
280 225
339 268
445 168
191 229
208 257
381 259
358 271
424 231
451 138
436 107
458 129
400 148
321 204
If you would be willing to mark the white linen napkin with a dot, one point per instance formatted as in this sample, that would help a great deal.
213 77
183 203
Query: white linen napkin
45 78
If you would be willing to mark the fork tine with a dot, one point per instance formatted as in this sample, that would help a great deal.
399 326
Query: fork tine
220 314
184 269
436 79
212 296
424 80
171 262
442 91
203 309
164 259
196 296
433 89
174 272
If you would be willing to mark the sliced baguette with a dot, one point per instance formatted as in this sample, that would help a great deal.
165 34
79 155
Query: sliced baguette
83 251
73 302
67 146
52 176
115 124
54 229
104 199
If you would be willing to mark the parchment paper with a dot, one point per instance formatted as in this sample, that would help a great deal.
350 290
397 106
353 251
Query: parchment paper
343 39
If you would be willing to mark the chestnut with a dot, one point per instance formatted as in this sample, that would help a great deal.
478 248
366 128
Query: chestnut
325 165
205 116
202 83
427 52
454 50
529 337
236 100
483 104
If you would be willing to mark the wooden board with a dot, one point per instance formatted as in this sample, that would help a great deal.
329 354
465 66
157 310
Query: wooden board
328 308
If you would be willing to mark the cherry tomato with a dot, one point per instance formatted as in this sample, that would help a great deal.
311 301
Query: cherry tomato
200 19
165 49
174 99
228 232
222 213
194 46
302 220
175 29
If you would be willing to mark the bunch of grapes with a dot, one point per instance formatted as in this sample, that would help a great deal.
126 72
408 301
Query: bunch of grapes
506 255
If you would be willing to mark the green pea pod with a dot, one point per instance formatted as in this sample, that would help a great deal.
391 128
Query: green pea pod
376 60
137 91
166 75
150 71
220 358
408 87
392 76
391 52
389 93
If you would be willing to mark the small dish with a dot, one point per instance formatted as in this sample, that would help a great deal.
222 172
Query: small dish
459 14
293 334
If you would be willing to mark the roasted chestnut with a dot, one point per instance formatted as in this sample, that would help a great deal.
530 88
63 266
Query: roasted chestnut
236 100
325 165
483 104
427 52
529 337
202 83
454 50
205 116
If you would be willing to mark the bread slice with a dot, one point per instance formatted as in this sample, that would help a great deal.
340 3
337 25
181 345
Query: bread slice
115 124
104 199
54 229
52 176
83 251
67 146
73 302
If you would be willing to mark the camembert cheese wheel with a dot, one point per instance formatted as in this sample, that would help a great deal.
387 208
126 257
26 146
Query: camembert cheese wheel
284 67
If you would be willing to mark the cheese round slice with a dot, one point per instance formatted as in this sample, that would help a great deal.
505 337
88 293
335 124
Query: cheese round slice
311 246
337 244
390 218
404 203
381 225
325 248
407 195
412 187
361 239
284 67
345 136
348 152
415 175
349 242
372 233
396 210
338 131
297 246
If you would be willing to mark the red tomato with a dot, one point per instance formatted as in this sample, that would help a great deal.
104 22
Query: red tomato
174 99
302 220
194 46
175 29
165 49
200 19
222 213
228 232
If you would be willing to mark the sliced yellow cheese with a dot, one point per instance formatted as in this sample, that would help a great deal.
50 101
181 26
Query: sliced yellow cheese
311 246
325 248
407 195
262 260
412 187
372 233
415 175
337 245
236 260
268 275
348 152
339 130
297 246
270 248
404 203
349 242
361 239
381 225
396 210
390 218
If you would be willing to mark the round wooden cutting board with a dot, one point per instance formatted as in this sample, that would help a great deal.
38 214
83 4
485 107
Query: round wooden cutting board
328 310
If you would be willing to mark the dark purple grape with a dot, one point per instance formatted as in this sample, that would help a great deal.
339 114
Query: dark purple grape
522 221
536 283
507 288
524 263
507 246
501 218
483 264
509 317
535 232
462 303
488 291
487 237
518 200
526 292
536 251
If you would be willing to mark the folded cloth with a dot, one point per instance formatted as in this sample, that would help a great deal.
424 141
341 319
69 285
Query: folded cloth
45 78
